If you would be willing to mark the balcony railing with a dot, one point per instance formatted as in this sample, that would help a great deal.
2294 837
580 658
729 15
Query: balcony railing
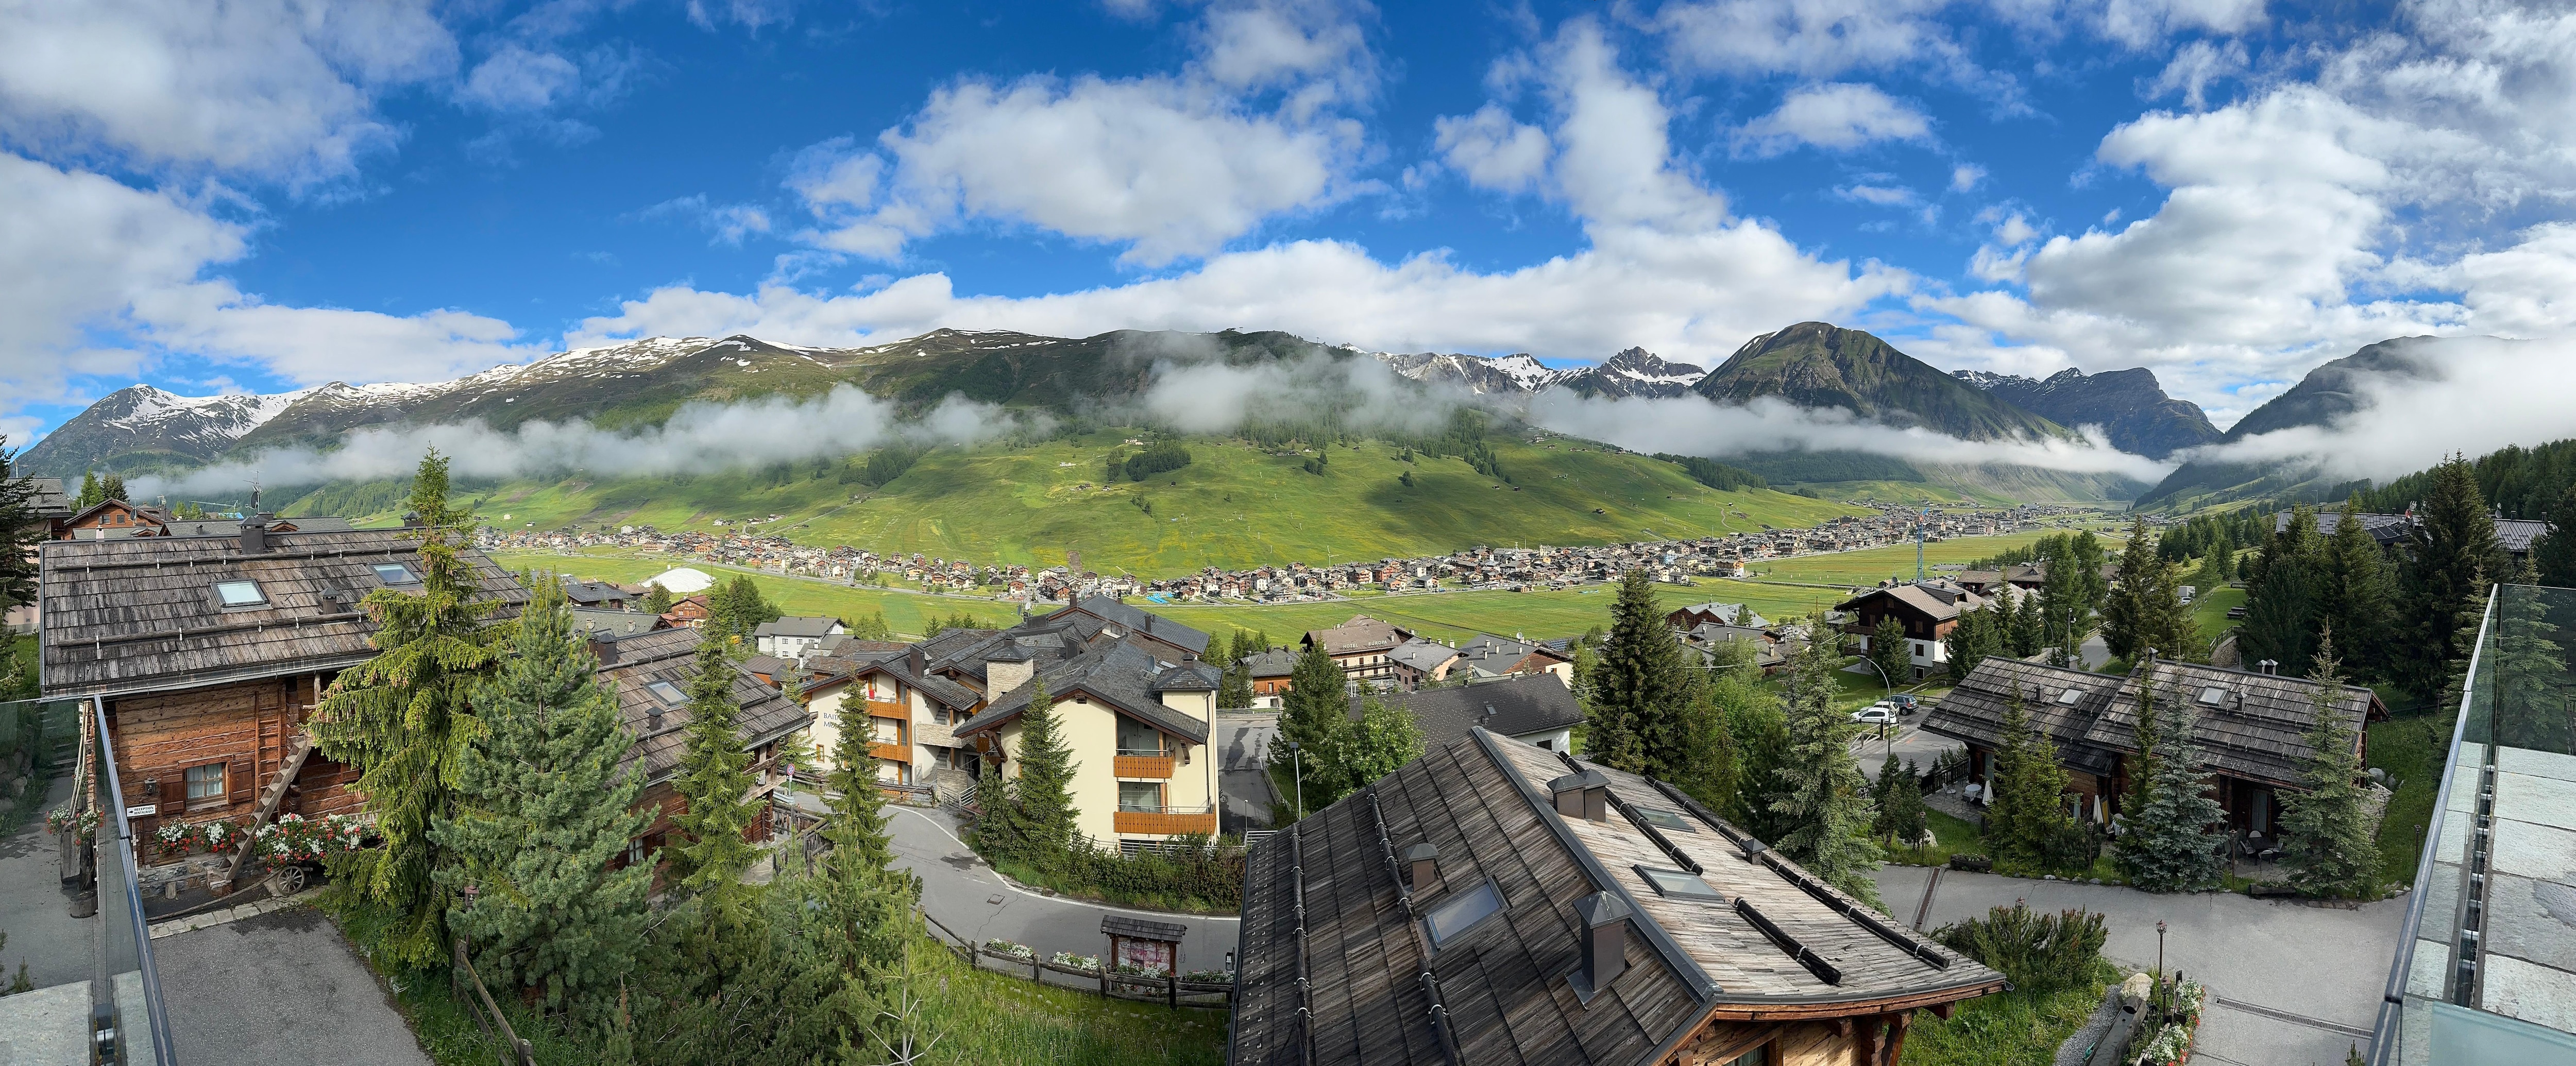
1141 764
2463 980
127 1021
1166 821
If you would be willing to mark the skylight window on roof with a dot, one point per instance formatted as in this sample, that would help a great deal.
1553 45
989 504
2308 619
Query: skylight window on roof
668 693
1663 819
2213 695
1679 884
2068 697
232 594
1459 913
395 574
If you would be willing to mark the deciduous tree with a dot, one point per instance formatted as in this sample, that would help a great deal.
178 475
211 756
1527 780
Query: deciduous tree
1888 650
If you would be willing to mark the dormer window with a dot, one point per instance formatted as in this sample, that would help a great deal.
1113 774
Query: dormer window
395 574
235 595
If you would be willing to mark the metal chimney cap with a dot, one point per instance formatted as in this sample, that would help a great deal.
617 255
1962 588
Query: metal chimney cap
1421 852
1584 780
1600 909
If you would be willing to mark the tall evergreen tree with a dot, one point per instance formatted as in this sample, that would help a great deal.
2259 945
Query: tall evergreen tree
2146 609
405 718
2085 553
1042 795
2173 840
1890 652
1639 694
2326 830
1234 687
714 775
2061 604
2026 812
1901 814
2452 552
112 486
544 812
1823 801
657 600
91 495
20 532
2554 555
737 608
2354 591
1980 633
2532 707
2029 633
2281 613
1316 715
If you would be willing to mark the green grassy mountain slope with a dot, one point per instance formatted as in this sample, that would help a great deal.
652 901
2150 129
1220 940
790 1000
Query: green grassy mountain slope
1816 364
1236 504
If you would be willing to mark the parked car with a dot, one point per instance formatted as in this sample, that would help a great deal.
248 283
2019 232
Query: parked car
1876 714
1903 703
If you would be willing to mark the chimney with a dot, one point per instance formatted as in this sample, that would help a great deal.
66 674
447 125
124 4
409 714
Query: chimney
1605 943
653 717
1423 860
1007 668
1585 795
254 535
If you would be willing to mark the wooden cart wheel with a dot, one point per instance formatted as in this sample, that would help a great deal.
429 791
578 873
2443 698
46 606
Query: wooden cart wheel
290 880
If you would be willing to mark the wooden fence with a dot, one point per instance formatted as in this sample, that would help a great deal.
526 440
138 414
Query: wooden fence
1167 988
469 989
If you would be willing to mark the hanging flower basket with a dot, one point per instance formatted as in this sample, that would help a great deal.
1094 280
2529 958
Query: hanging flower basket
62 820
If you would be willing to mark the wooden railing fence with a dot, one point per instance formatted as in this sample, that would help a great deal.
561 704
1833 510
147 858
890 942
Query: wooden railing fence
468 987
1166 988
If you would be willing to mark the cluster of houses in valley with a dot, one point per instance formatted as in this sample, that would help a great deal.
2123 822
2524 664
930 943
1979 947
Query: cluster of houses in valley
1477 568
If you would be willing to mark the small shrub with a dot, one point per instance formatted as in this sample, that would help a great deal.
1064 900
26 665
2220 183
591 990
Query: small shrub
2070 846
2039 952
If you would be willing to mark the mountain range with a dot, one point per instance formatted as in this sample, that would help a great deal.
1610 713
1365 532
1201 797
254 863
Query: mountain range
2327 394
1810 364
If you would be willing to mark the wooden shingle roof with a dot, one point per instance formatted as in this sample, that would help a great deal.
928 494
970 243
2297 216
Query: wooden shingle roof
140 614
2249 725
1974 711
1371 982
671 655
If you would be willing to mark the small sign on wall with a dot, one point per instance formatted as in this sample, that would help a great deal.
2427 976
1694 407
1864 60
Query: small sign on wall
145 811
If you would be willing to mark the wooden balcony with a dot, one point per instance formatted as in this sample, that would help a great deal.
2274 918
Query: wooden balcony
1155 766
1165 823
887 708
896 752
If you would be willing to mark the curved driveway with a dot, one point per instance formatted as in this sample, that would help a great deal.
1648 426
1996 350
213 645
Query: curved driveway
968 896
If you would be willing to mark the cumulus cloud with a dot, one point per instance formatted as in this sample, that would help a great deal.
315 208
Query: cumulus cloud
1816 38
1966 176
1836 117
698 438
272 88
2196 66
2408 423
1492 149
1693 425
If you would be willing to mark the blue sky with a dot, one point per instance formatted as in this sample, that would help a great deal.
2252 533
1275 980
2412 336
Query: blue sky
2227 191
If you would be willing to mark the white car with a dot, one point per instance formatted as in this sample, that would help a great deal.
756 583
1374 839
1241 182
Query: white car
1880 714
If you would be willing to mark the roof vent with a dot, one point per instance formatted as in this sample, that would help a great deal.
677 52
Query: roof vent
254 535
1424 862
1605 944
1585 795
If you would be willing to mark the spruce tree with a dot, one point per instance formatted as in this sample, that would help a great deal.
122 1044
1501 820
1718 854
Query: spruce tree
2453 551
2531 704
1823 801
2173 840
2281 613
1316 715
90 494
1639 696
657 600
857 823
1889 651
2029 634
1234 686
2326 831
2554 555
112 487
1042 794
544 812
20 532
2026 811
404 719
2354 596
714 775
2123 613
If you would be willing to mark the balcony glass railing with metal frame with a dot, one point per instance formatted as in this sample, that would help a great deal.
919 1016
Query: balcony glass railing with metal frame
2486 964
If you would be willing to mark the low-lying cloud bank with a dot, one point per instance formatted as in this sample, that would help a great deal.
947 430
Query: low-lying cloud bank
2475 395
699 438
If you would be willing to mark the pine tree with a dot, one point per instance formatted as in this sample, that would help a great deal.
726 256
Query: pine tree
2554 555
1042 795
544 811
1315 716
1980 633
737 608
857 824
90 493
657 600
1888 650
2029 634
2453 549
1638 690
405 718
2122 613
2531 692
20 532
2353 593
2173 843
1823 800
2281 614
2025 813
714 775
2326 831
2146 610
1234 687
2061 604
112 486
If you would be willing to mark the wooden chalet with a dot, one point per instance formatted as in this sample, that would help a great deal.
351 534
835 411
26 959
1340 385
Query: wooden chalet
1363 647
651 672
1494 904
689 612
2251 726
208 656
112 519
1928 611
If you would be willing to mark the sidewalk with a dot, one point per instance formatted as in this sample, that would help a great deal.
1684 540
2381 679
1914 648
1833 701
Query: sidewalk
56 947
968 896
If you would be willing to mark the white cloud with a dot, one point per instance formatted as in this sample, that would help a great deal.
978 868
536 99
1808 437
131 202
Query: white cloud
1881 195
1257 45
272 88
518 79
2408 423
726 223
1966 176
2528 290
2142 24
1692 425
1492 149
1837 117
1814 38
2197 65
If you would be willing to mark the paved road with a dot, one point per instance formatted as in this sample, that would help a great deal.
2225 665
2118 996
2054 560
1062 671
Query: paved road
1913 746
57 948
280 989
2291 985
966 895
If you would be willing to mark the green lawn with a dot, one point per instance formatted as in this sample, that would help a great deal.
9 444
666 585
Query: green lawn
2006 1028
2209 612
2412 750
1869 566
1236 505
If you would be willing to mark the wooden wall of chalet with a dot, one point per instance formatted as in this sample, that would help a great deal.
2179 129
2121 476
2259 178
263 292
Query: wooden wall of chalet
242 725
1842 1042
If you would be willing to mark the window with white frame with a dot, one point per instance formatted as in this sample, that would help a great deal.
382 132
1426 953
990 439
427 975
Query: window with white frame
206 784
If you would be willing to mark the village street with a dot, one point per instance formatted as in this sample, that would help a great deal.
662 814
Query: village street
2290 984
966 895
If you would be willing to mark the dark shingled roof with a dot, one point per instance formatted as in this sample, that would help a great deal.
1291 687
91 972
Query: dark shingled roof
1277 662
1135 621
49 501
135 614
1122 675
1513 707
2255 730
1361 634
672 655
1481 802
797 626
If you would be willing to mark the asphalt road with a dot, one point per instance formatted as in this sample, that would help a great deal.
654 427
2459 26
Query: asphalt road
281 989
966 895
34 913
2290 985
